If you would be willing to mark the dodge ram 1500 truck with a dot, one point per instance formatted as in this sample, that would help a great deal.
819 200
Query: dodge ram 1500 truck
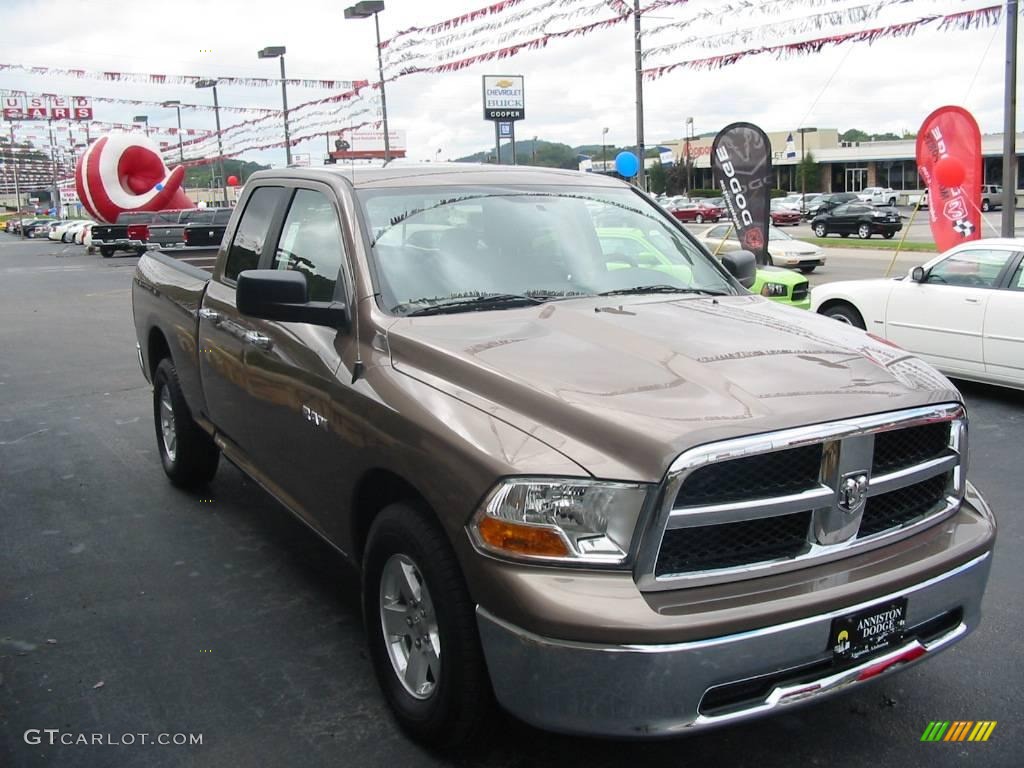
614 497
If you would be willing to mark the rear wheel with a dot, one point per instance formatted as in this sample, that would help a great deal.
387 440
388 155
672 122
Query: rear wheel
986 205
106 252
188 454
888 235
845 313
422 632
864 231
819 230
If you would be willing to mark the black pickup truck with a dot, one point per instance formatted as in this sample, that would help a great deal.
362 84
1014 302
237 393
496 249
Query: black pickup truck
172 234
129 233
207 231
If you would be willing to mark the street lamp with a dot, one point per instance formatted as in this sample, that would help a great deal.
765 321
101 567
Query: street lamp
803 170
277 52
688 134
142 119
175 104
604 150
364 10
212 83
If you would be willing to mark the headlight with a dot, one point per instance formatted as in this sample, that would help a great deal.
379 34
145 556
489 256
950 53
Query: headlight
554 519
774 289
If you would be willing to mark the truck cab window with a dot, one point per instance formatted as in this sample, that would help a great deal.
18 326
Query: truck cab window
252 231
311 243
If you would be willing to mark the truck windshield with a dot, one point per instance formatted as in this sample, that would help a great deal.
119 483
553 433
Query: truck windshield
439 249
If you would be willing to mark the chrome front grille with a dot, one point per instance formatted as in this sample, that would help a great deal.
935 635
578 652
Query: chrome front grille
785 500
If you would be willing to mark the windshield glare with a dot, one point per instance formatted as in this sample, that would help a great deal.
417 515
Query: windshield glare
433 245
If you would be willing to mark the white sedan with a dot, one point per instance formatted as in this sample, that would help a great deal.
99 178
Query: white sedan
785 251
963 311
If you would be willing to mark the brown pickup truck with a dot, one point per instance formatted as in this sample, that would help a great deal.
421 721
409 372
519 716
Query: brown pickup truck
613 493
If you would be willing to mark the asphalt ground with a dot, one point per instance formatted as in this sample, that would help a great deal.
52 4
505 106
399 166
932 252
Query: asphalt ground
128 607
919 228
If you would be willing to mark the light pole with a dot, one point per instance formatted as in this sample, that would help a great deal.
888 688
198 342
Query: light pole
803 169
639 65
363 10
175 104
144 119
212 83
1010 122
687 134
277 52
604 150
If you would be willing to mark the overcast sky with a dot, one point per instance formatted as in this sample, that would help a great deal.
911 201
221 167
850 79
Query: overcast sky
574 87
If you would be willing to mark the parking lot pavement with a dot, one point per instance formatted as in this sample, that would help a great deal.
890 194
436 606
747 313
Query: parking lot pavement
128 607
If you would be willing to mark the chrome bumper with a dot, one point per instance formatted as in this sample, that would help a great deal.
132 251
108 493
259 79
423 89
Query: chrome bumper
660 690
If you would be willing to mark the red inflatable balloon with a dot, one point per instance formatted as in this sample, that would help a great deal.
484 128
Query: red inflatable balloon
950 172
232 181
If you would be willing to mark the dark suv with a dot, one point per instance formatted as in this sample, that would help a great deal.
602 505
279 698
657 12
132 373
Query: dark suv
861 219
829 201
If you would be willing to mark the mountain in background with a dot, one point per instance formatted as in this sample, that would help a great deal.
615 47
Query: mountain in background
201 175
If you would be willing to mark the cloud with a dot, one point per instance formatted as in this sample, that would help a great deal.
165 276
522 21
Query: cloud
574 87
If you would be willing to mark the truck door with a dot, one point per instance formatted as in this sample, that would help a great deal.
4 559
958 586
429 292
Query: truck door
222 331
299 374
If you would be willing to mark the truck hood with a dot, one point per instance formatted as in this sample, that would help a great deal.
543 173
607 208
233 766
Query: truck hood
623 385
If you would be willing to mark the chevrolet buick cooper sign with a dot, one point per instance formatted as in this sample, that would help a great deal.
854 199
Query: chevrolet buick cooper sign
504 97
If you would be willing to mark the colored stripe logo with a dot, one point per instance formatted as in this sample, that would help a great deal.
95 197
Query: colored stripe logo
958 730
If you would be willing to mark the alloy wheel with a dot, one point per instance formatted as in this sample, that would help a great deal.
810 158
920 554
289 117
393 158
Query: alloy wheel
409 625
167 428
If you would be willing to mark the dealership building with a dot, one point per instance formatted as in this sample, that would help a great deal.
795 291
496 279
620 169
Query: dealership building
846 166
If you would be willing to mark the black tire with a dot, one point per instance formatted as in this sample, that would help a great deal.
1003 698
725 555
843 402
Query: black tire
820 230
140 251
845 313
892 201
807 270
106 252
986 205
458 710
888 235
864 231
190 458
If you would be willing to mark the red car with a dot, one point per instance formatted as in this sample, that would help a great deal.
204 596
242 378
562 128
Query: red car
782 216
698 212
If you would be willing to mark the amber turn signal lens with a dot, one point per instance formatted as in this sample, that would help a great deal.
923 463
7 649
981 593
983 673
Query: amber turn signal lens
521 539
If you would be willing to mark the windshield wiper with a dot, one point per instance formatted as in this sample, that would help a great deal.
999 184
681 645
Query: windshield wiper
639 289
475 303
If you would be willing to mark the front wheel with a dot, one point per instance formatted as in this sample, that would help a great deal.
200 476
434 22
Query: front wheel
845 313
892 201
864 231
699 219
106 252
986 205
188 454
888 235
819 230
421 628
808 269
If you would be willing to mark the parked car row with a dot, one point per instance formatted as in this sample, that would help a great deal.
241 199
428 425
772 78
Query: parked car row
141 231
62 230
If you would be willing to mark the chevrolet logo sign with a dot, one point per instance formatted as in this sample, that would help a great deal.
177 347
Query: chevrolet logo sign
504 84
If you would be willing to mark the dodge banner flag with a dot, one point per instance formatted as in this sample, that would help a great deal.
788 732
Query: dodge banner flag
949 161
741 157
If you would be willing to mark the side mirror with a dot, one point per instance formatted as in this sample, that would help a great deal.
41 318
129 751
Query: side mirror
917 274
273 294
742 265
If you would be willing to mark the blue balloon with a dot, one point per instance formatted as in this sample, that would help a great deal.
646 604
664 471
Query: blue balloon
626 164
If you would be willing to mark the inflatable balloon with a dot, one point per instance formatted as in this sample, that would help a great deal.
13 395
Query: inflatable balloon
950 172
626 164
232 181
124 172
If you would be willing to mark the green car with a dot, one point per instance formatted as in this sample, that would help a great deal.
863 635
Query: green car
781 285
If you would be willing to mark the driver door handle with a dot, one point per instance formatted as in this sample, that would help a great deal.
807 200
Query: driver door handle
211 315
257 340
970 300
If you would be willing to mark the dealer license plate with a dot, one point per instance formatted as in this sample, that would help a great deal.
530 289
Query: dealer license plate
867 631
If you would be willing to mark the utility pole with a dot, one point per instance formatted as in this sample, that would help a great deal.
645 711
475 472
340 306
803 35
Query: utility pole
641 180
14 166
53 170
1010 122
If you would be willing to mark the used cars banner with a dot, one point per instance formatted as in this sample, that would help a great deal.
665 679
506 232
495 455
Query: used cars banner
949 161
741 158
